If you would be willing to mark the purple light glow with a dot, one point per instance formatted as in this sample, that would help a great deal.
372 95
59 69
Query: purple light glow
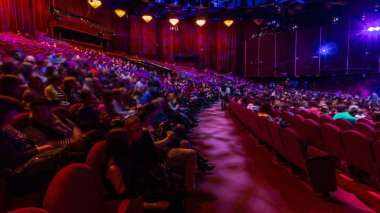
372 29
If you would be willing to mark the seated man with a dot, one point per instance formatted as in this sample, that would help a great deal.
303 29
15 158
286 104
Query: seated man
343 114
47 128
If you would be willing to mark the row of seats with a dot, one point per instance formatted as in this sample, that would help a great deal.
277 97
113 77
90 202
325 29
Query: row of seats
317 165
355 146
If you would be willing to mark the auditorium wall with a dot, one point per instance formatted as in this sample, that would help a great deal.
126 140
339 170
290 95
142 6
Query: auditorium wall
342 48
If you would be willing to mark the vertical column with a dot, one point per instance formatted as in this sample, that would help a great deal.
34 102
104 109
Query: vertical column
319 50
295 52
348 47
275 55
258 57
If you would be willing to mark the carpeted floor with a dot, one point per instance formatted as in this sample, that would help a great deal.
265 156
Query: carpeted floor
249 179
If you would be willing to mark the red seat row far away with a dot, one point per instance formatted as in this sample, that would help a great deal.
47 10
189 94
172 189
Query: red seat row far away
358 145
317 165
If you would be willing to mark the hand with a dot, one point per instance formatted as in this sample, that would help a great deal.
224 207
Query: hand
44 148
170 134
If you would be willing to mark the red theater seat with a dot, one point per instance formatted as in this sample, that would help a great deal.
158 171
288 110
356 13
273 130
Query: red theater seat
265 133
366 121
359 153
319 167
313 134
315 117
332 139
343 124
287 117
96 160
278 145
326 119
29 210
73 190
304 113
299 125
365 129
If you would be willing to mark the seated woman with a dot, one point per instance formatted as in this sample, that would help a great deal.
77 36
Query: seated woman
48 128
127 168
54 93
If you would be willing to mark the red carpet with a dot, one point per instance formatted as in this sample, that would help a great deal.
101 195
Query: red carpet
249 179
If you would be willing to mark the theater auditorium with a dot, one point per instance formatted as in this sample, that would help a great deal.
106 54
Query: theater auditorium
189 106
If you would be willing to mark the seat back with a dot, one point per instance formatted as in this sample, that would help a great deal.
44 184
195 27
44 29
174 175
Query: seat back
332 140
313 134
294 150
358 150
278 145
343 124
326 119
73 190
299 126
377 126
365 129
315 117
21 121
287 117
295 111
366 121
304 113
74 108
264 125
96 160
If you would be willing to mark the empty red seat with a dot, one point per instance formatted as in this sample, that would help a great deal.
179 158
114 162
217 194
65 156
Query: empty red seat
28 210
278 144
299 125
265 133
343 124
96 160
315 117
295 111
365 129
358 152
332 140
318 165
366 121
377 126
287 118
304 113
73 190
313 135
326 119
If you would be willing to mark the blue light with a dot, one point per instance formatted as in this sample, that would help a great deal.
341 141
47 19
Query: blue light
329 48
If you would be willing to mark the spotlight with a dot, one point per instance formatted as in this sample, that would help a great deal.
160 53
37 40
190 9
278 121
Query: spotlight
95 3
173 21
372 29
120 12
147 18
228 23
200 22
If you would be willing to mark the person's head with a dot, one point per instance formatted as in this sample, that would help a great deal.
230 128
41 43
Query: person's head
69 82
86 97
41 111
8 66
10 85
117 145
134 128
35 83
55 80
353 110
341 108
265 107
8 108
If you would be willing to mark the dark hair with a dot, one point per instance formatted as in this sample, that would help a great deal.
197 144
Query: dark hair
376 116
265 107
341 108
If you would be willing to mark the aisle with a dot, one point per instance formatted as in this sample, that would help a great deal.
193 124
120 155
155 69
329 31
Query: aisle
249 179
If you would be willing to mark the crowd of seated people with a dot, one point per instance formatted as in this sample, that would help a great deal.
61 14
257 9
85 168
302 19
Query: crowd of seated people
56 96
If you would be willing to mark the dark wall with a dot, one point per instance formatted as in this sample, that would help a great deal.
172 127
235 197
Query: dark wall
349 50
